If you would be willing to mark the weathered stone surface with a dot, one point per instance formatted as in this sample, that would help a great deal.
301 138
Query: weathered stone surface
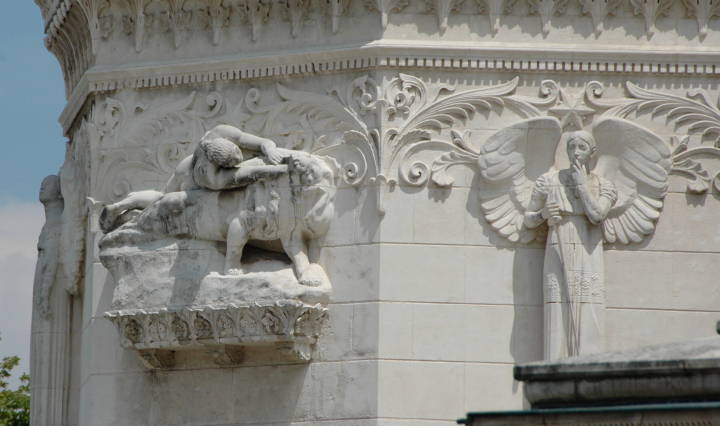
432 303
678 371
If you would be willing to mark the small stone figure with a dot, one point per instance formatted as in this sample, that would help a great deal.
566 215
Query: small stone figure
51 316
48 243
608 185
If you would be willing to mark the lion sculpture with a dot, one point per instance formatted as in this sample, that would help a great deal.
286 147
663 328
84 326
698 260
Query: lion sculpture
294 208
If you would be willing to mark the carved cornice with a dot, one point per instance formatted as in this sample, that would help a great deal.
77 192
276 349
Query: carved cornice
218 13
390 55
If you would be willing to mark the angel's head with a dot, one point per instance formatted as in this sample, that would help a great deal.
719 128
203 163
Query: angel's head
580 146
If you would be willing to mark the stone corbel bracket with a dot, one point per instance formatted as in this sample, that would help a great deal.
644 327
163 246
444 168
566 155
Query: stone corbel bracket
288 328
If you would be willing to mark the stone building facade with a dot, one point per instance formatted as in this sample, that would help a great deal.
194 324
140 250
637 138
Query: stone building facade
437 281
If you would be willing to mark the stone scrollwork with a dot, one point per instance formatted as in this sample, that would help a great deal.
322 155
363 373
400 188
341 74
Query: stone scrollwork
693 114
333 124
421 111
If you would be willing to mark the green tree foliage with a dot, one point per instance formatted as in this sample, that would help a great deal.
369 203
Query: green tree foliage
14 404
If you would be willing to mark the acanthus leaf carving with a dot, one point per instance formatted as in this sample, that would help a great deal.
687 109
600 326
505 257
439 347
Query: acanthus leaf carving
599 10
546 9
165 131
218 329
137 21
442 9
385 7
335 8
176 18
91 10
693 111
323 124
651 10
425 110
297 11
699 179
257 12
702 10
494 10
218 17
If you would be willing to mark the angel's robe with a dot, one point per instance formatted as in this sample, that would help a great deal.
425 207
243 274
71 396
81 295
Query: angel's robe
573 279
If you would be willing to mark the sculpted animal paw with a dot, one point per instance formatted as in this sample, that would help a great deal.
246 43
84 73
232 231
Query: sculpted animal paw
312 282
234 271
313 276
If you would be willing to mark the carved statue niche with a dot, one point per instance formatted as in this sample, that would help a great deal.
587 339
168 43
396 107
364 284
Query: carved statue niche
235 190
608 185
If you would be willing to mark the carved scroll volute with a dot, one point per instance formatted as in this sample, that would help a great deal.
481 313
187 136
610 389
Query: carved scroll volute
651 10
256 12
702 10
599 10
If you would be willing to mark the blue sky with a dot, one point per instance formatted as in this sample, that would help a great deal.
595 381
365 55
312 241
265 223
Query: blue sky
31 99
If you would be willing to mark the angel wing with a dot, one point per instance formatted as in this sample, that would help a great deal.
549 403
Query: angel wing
638 162
510 161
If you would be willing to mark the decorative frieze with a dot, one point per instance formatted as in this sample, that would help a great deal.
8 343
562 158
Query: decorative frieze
136 14
289 328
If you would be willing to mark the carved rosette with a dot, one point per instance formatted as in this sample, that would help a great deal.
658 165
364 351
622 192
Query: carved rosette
291 328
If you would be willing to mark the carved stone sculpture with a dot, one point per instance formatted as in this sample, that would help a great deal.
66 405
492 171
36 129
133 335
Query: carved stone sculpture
236 189
616 198
50 322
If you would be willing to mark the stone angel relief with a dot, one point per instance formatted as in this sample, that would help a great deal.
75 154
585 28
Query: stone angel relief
576 189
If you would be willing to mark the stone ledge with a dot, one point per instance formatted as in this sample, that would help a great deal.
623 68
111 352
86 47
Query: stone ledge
681 371
289 328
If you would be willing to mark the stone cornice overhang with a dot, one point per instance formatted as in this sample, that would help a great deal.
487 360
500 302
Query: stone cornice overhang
394 54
